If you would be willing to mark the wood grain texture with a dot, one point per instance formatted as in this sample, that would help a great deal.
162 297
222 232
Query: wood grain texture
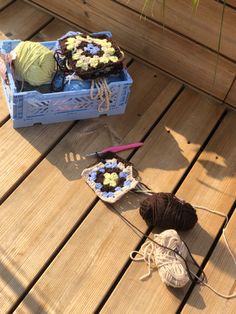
231 98
172 53
202 26
4 3
94 256
211 183
221 274
56 196
232 2
53 30
22 148
21 20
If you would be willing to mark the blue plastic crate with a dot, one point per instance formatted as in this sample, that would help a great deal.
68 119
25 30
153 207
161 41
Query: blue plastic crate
32 107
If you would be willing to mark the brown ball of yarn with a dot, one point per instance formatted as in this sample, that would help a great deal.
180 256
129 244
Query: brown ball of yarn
165 210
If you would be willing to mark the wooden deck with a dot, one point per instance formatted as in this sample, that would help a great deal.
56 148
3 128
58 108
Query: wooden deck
61 249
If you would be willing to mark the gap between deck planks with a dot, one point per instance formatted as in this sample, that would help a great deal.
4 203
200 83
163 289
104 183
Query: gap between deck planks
96 253
5 3
221 274
21 20
211 182
48 197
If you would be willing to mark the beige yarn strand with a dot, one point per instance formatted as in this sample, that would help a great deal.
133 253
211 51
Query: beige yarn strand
226 296
103 93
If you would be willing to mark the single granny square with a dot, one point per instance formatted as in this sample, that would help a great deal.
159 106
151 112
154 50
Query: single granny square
110 179
89 56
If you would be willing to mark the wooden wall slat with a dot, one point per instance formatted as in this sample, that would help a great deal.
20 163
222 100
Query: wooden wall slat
33 226
98 250
178 56
210 183
220 271
202 26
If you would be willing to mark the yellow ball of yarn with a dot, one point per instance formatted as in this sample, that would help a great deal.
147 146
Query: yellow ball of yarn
34 63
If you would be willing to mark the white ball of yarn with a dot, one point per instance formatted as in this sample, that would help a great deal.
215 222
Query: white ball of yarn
170 265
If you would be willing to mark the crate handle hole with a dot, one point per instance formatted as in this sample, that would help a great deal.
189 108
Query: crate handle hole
37 123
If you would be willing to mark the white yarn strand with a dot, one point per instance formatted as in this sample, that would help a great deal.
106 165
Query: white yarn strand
226 296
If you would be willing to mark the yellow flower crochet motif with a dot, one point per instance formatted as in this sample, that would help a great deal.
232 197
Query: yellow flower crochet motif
111 179
83 61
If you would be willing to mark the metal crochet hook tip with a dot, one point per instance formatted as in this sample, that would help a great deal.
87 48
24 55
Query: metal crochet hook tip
116 149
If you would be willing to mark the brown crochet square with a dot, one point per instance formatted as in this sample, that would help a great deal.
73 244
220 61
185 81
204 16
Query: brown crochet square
67 63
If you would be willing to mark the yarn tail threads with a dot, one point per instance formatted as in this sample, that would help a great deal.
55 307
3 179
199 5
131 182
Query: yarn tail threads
162 255
103 93
34 63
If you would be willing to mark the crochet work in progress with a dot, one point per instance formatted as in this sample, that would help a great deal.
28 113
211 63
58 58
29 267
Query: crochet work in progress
89 56
110 179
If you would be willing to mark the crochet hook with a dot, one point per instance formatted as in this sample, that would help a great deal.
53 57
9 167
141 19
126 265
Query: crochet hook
116 149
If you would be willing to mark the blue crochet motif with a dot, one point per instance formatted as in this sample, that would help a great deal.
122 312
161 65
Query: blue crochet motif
92 49
118 188
110 165
102 170
127 183
108 194
98 186
123 174
92 176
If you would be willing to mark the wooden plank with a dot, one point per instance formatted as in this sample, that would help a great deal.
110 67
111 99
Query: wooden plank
211 183
202 26
171 52
56 196
4 3
22 148
21 20
94 256
53 30
220 271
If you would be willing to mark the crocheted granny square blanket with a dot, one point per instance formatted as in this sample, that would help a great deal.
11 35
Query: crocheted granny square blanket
110 179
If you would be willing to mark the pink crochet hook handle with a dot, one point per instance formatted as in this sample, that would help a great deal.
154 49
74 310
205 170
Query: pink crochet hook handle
116 149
